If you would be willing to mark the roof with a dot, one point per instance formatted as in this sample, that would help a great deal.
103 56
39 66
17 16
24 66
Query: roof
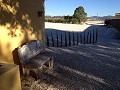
117 14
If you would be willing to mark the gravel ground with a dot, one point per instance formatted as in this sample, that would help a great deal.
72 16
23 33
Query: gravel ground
82 67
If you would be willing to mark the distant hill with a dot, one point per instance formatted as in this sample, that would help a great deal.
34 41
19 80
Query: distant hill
69 19
100 17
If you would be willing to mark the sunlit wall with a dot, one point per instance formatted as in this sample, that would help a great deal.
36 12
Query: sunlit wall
20 21
117 15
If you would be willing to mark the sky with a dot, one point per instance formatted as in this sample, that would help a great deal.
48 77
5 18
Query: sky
92 7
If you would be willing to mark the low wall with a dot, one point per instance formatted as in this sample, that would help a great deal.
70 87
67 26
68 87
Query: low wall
113 22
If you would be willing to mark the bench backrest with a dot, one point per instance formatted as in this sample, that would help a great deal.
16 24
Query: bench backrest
29 50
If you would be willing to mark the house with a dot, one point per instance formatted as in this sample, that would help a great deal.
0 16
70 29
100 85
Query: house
117 15
20 21
114 22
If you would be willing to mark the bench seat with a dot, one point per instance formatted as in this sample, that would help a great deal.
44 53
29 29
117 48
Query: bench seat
32 57
37 61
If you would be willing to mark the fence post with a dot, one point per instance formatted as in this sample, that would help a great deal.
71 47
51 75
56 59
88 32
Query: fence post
87 38
47 40
65 40
77 38
93 37
80 38
90 37
73 39
96 35
52 40
69 39
84 38
61 40
57 38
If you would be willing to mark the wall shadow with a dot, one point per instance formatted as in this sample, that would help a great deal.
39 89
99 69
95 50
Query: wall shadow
19 23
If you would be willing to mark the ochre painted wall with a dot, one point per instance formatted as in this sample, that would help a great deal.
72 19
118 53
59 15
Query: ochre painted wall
19 23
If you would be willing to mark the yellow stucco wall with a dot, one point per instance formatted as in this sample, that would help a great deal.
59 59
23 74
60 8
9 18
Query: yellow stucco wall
19 23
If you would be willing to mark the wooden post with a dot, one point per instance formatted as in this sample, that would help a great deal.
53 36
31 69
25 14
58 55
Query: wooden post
57 38
84 38
52 40
80 38
65 40
73 39
90 37
69 39
87 38
96 35
77 39
93 37
47 40
61 40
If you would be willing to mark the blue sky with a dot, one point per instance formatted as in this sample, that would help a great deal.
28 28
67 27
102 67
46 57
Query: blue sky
92 7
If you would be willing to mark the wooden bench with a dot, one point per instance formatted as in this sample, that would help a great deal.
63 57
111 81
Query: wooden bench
32 57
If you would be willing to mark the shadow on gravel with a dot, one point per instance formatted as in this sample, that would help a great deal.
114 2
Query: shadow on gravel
86 66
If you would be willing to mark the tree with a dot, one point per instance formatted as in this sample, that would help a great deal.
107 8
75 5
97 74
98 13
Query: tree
80 14
68 19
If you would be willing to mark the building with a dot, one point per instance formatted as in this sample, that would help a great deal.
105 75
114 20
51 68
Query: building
117 15
114 22
20 21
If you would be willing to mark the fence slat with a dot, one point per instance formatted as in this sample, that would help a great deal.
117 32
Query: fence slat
47 40
77 39
52 40
96 35
84 38
65 40
90 37
73 39
57 39
93 37
80 38
69 39
87 38
61 40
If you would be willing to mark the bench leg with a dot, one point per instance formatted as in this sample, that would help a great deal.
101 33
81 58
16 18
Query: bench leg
25 72
40 71
51 63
